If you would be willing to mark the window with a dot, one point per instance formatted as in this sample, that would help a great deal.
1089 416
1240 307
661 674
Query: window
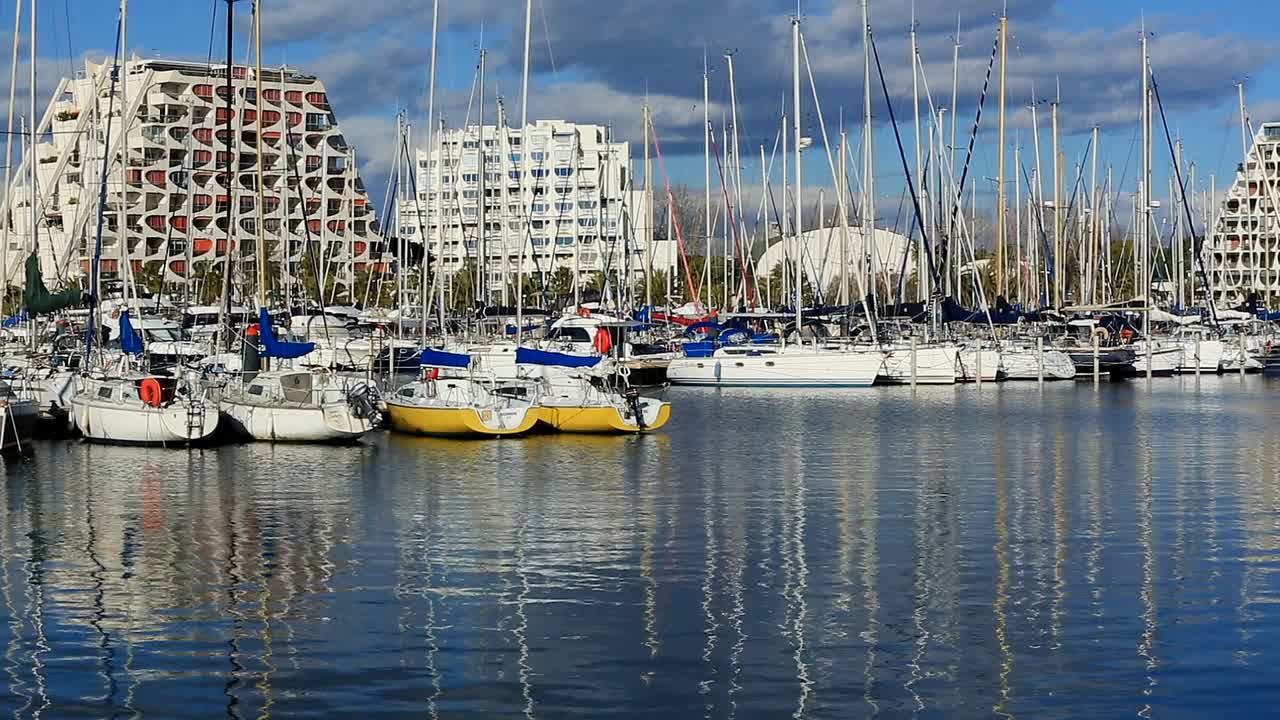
470 145
317 121
587 222
537 156
470 194
514 174
564 207
587 204
540 173
257 389
470 177
564 172
539 242
563 241
539 207
515 157
104 393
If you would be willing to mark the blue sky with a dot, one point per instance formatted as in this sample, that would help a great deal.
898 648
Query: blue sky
597 61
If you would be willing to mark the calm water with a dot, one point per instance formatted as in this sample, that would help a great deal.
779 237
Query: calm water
964 553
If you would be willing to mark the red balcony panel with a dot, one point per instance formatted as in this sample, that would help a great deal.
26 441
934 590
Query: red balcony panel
202 245
179 223
294 96
155 222
203 91
178 267
271 95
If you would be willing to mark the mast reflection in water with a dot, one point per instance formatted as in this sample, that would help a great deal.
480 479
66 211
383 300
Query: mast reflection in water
961 551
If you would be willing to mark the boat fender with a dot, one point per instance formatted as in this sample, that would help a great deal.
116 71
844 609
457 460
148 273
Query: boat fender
433 374
151 393
1102 334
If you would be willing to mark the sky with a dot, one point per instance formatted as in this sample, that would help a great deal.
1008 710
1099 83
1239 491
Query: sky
595 61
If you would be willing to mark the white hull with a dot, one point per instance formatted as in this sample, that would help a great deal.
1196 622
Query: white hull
314 423
789 367
933 365
125 419
1205 358
1164 359
1023 364
985 362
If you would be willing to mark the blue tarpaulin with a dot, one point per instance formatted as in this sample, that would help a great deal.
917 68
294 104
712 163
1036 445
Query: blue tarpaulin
130 340
440 358
529 356
273 348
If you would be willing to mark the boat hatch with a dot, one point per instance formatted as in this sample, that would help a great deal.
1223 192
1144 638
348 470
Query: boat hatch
297 387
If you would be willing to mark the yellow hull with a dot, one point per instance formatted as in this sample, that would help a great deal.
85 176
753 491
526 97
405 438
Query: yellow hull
598 420
455 422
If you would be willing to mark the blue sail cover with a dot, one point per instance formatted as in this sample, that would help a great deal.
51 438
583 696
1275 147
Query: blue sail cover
273 348
130 340
440 358
529 356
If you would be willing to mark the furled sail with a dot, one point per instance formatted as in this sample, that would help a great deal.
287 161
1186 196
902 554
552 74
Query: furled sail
38 299
273 348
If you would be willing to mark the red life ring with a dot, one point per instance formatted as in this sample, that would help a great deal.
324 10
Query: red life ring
433 374
151 392
584 312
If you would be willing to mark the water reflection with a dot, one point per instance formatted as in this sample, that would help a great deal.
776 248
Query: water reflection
963 552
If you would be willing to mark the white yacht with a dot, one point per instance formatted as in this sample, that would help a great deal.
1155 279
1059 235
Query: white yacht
777 365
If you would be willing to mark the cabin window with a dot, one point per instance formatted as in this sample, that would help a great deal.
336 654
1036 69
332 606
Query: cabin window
105 393
406 392
768 363
256 389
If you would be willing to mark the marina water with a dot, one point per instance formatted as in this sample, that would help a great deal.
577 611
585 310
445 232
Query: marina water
960 551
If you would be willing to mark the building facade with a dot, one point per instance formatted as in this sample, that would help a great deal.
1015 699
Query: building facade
562 191
186 198
1244 244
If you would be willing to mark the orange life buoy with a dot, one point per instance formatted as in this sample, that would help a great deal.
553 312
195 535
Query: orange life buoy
584 312
150 392
603 342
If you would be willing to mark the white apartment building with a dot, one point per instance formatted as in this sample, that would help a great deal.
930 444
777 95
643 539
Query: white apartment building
565 192
169 207
1244 245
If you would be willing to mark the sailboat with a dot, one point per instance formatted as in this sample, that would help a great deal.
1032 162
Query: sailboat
574 396
295 405
290 405
123 406
463 404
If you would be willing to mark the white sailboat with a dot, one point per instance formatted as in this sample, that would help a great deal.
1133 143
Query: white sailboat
288 405
778 366
18 417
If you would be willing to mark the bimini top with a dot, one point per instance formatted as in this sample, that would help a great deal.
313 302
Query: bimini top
529 356
440 358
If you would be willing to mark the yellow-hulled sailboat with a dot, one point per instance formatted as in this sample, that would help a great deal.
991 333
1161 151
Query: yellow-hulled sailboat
459 406
574 397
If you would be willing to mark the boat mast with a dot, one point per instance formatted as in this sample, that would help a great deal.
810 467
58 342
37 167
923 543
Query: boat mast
795 88
1091 272
1058 264
706 172
482 247
8 156
33 124
223 339
426 234
257 75
922 278
869 245
1001 200
648 209
1145 216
